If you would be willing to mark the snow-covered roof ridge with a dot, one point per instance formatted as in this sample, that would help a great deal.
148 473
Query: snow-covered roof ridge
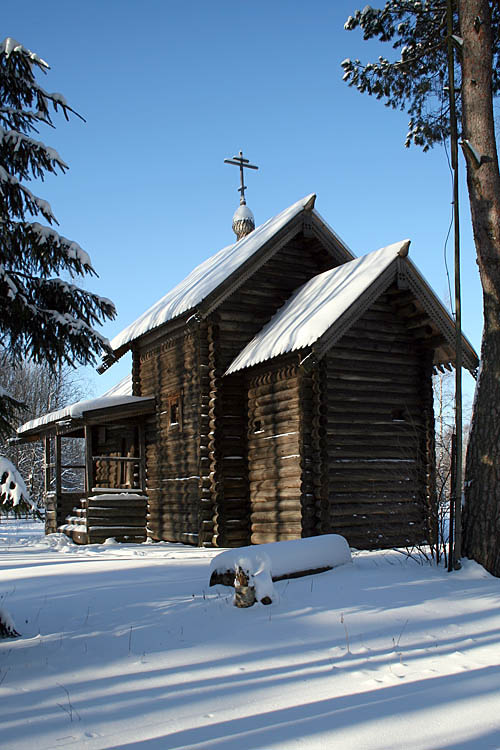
316 306
206 277
119 395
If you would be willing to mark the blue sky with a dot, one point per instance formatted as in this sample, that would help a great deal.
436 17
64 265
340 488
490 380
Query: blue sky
169 89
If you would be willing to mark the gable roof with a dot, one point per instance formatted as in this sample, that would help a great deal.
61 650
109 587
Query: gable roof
323 309
315 306
228 265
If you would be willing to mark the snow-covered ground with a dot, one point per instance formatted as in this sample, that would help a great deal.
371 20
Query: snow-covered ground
128 647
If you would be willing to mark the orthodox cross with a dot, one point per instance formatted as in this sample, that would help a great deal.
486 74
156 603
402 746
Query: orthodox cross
242 163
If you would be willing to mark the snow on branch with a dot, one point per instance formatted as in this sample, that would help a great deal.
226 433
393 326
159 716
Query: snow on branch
12 487
10 46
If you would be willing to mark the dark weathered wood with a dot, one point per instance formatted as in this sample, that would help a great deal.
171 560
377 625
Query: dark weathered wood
282 450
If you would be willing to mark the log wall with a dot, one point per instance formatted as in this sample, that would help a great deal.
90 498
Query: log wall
169 370
275 474
377 456
237 320
121 517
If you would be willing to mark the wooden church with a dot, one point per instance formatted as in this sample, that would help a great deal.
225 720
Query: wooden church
282 390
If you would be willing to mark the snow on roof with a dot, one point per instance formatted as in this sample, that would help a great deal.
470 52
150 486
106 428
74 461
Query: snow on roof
122 388
207 276
119 395
315 306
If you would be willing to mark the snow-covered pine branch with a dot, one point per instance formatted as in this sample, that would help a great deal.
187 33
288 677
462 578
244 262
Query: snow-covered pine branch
417 75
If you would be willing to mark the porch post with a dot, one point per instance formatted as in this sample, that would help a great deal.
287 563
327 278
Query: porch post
58 468
89 472
46 468
142 457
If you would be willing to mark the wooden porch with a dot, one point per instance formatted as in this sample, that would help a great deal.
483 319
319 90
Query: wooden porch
96 490
112 501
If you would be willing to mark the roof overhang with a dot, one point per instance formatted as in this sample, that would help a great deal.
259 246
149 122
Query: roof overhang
72 425
406 275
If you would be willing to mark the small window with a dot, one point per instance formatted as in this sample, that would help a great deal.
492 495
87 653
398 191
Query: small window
174 411
398 415
257 426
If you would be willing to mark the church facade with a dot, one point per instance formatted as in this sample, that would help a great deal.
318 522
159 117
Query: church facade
282 390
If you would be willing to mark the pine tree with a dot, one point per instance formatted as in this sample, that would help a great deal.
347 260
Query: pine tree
416 81
42 316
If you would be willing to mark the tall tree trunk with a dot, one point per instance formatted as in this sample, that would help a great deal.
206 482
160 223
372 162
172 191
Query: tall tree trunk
482 486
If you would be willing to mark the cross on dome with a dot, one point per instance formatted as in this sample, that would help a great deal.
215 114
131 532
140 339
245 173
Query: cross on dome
243 219
242 163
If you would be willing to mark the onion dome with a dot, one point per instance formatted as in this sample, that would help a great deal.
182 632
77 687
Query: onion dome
243 221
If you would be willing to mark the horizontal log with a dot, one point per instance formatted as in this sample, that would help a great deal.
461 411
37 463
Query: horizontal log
165 508
117 520
285 517
284 410
372 450
359 357
374 527
396 508
373 387
345 359
266 427
236 487
267 538
281 470
260 506
290 450
341 371
379 335
112 512
386 398
223 540
267 466
266 440
393 467
182 522
275 493
384 429
277 387
262 537
374 411
365 488
171 502
376 496
276 483
370 418
125 502
107 531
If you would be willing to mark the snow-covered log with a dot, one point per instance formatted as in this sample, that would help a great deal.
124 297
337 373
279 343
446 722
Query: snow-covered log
262 564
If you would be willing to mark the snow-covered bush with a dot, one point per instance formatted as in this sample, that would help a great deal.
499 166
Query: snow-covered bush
13 491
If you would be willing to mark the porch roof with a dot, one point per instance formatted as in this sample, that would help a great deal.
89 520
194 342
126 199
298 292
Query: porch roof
116 402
